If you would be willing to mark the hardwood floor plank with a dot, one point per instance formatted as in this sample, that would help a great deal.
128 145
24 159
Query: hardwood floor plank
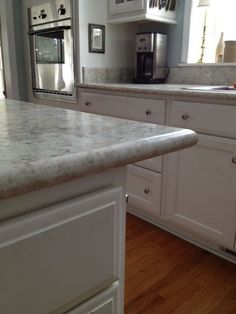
165 274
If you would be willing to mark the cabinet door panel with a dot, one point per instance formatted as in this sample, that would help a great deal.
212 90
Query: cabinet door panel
200 190
62 254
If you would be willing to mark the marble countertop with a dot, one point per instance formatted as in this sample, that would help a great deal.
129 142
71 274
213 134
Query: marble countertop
42 146
162 89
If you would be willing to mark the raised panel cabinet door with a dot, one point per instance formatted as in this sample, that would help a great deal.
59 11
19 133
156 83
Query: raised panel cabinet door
59 256
199 190
125 6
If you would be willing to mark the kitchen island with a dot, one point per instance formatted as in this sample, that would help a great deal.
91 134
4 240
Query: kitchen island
62 205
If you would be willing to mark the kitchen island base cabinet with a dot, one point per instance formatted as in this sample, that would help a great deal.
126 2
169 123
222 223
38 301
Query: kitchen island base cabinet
60 256
199 191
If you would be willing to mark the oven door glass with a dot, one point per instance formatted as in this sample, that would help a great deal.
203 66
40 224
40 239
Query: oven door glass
49 47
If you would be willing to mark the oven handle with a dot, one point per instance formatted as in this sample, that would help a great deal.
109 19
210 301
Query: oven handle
49 30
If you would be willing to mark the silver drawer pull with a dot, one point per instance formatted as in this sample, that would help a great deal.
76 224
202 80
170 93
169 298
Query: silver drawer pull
87 103
146 191
126 198
148 112
185 116
234 160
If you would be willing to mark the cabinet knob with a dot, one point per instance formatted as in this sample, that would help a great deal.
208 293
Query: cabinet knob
146 191
234 160
148 112
126 198
185 116
87 103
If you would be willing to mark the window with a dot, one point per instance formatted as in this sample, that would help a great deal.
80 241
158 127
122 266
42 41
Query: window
218 17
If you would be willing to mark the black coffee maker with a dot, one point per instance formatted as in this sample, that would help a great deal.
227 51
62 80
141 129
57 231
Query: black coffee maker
151 51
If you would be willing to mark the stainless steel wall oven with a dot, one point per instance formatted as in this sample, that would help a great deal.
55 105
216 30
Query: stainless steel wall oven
51 44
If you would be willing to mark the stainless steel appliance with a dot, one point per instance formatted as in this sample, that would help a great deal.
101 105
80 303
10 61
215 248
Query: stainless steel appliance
151 51
51 42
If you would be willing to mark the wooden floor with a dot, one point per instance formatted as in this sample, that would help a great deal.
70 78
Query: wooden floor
165 274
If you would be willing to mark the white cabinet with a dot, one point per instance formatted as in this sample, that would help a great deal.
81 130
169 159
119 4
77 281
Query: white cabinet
124 6
144 180
62 254
144 190
200 190
105 302
121 11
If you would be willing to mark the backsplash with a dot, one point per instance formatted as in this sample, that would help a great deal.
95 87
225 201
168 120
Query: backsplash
107 75
195 75
203 75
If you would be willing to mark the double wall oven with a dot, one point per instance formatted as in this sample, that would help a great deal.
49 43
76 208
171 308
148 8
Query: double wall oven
52 53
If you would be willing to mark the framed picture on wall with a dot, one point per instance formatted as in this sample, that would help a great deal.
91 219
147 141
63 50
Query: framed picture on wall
96 34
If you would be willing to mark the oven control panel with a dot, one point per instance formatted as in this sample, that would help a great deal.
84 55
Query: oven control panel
50 12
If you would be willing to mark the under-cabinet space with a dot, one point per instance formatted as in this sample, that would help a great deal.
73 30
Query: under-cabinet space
144 190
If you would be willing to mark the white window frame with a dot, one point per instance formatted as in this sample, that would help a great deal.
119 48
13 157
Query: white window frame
185 40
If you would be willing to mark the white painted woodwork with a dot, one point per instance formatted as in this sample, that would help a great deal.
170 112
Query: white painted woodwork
154 164
144 190
121 11
133 108
105 302
124 6
203 117
199 190
62 254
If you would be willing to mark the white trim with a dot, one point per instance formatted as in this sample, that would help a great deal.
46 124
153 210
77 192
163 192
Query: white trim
186 28
9 49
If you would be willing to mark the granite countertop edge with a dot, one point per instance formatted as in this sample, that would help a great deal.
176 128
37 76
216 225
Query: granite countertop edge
45 173
160 89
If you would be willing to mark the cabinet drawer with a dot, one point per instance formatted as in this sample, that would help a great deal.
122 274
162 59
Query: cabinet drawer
144 190
140 109
60 255
154 164
104 303
204 118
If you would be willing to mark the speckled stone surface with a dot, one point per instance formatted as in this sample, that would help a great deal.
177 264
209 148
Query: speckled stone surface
107 75
163 90
203 74
42 146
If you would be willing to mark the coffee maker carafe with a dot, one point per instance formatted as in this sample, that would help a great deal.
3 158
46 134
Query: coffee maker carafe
151 50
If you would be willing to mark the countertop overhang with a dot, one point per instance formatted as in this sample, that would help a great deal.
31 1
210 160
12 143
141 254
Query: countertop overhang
161 90
42 146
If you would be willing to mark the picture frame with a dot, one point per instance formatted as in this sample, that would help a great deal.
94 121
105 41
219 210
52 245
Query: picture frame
96 34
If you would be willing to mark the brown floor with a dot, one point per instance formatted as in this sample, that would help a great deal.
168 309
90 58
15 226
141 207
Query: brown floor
165 274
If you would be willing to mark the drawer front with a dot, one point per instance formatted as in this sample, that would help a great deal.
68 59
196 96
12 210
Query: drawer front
104 303
204 118
140 109
60 255
144 190
154 164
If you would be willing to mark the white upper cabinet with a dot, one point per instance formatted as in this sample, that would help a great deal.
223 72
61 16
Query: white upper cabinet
137 10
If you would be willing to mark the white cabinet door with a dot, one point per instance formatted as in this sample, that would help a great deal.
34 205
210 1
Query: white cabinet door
200 185
125 6
61 255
